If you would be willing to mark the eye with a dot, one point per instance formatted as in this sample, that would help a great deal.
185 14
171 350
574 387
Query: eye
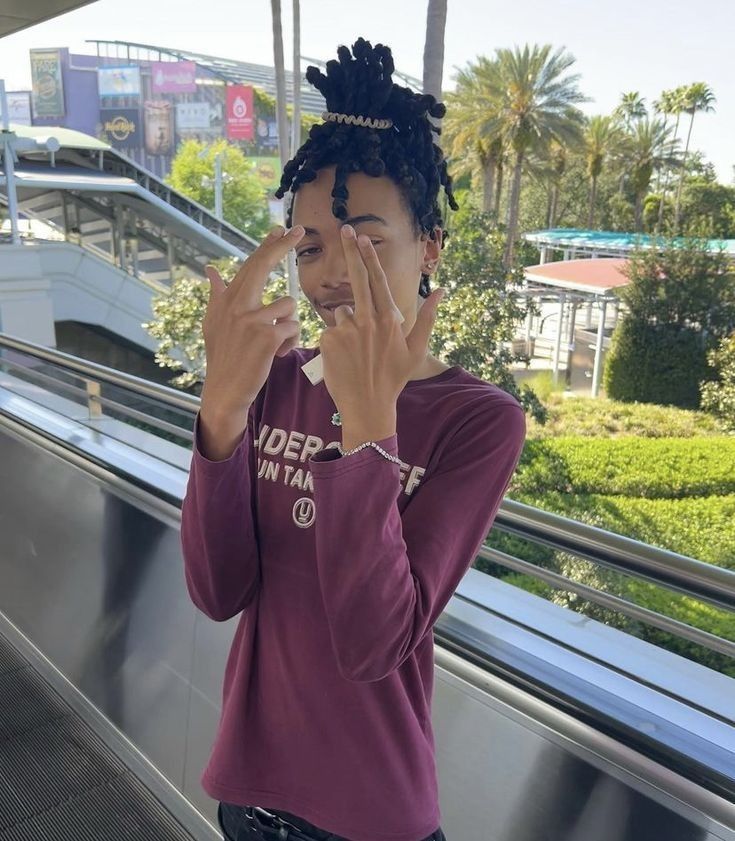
305 251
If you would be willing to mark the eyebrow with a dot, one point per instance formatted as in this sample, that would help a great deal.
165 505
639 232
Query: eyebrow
353 220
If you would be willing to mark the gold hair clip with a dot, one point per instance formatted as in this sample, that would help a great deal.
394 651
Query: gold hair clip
370 122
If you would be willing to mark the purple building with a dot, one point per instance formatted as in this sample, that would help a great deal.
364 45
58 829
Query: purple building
145 100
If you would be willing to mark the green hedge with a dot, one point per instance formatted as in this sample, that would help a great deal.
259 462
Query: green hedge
612 465
653 468
602 418
700 527
656 363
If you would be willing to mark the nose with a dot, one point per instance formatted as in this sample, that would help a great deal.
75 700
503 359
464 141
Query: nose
335 274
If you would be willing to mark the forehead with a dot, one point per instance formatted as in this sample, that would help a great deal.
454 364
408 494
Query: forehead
366 194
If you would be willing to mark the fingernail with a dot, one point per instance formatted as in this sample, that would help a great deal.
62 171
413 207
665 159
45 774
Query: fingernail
297 230
348 231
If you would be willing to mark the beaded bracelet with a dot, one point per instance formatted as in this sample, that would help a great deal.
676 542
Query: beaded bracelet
368 444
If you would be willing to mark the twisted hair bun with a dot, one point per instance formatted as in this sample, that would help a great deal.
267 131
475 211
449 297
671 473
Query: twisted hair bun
405 152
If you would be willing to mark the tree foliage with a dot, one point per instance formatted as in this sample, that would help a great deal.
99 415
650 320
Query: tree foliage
718 396
479 316
679 302
685 284
244 202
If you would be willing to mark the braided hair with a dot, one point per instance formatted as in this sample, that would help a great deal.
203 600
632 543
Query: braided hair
405 152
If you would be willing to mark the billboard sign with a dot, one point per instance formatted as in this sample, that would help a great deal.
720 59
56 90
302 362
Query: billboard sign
119 81
173 77
240 122
19 107
159 127
193 115
47 84
122 127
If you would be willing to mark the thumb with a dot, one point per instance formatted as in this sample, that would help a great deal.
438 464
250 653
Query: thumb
418 339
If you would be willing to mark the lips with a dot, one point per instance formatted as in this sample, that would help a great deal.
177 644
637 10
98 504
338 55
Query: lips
334 306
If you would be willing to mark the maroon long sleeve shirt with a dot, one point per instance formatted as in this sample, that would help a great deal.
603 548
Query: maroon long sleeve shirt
339 567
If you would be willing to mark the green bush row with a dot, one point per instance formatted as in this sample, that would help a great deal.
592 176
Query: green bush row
700 527
628 466
605 418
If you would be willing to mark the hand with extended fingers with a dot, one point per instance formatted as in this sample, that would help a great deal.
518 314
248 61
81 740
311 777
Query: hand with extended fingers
367 359
241 335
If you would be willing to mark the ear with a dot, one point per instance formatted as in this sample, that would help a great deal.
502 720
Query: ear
431 247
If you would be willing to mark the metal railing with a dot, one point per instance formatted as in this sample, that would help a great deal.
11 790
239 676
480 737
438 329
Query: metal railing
161 410
643 561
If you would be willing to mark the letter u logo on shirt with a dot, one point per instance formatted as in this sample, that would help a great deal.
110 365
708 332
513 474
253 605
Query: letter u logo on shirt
304 512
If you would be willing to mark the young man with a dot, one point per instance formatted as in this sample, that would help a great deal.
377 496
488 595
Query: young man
339 517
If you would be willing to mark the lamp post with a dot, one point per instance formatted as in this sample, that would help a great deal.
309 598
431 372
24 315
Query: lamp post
11 145
220 179
218 186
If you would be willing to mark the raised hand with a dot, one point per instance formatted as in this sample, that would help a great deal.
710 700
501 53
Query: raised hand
367 358
241 335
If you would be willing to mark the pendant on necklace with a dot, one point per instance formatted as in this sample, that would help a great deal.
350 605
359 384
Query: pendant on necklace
336 419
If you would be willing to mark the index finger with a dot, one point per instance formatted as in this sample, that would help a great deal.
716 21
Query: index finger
252 275
358 273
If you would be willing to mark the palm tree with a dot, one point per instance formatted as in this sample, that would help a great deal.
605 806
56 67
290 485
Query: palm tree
470 108
662 105
558 162
537 105
548 168
282 117
502 157
296 119
632 108
647 144
675 102
699 98
436 23
280 70
601 140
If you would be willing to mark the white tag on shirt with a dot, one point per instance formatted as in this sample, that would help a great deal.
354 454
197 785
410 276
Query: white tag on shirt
314 369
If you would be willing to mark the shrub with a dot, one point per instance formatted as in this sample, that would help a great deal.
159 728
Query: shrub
653 468
719 397
656 363
602 417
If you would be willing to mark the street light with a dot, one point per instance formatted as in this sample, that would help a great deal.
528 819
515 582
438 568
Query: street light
11 145
220 178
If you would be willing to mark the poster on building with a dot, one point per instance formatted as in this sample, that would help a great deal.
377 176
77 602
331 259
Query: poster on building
159 127
47 83
121 127
240 122
201 121
173 77
119 81
19 107
192 115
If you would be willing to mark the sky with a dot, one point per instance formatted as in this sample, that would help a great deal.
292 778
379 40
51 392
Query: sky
619 45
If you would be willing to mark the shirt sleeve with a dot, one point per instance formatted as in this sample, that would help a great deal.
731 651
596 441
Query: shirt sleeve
386 576
218 528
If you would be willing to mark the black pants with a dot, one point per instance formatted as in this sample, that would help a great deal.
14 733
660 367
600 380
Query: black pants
240 823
